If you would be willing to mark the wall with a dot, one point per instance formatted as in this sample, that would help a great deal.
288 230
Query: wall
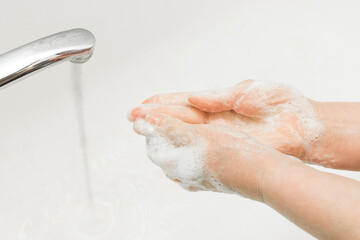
144 48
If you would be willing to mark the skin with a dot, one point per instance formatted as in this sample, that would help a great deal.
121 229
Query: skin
254 165
337 147
341 138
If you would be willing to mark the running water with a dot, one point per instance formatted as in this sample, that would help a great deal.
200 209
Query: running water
79 105
94 219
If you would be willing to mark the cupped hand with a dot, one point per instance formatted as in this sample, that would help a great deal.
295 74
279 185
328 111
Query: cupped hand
206 156
275 114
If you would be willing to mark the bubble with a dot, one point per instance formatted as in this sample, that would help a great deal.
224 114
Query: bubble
182 158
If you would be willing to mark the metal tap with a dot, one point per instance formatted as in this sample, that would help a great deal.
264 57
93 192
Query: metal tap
76 45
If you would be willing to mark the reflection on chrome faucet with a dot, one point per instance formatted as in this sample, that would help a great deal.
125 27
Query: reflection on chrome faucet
76 45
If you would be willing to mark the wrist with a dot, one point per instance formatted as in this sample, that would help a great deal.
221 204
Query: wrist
275 164
246 177
278 170
338 146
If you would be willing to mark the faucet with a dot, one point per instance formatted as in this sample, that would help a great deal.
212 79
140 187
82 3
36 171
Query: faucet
76 45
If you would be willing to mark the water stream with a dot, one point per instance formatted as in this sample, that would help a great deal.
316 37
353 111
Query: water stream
77 86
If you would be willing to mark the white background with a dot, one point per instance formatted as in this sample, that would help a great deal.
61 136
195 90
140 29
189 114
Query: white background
146 47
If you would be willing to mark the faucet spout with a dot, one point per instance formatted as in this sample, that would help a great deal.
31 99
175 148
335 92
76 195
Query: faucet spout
76 45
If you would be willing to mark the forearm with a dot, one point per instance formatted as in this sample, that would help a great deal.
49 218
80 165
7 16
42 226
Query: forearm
339 145
323 204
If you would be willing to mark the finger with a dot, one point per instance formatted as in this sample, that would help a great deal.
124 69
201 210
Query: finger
186 114
169 99
176 131
219 100
193 188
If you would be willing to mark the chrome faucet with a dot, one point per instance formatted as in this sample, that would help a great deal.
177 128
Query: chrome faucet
76 45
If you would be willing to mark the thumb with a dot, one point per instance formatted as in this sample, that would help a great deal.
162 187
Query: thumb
221 99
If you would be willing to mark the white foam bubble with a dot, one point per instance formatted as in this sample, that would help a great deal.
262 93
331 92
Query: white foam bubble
296 104
181 160
143 127
185 163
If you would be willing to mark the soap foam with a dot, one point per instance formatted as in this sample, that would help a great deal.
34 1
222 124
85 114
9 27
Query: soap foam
183 163
183 159
297 105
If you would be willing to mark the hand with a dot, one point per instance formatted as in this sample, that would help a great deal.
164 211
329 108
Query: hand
275 114
199 141
206 156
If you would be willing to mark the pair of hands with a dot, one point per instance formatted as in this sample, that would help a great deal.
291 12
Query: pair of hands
240 130
248 139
